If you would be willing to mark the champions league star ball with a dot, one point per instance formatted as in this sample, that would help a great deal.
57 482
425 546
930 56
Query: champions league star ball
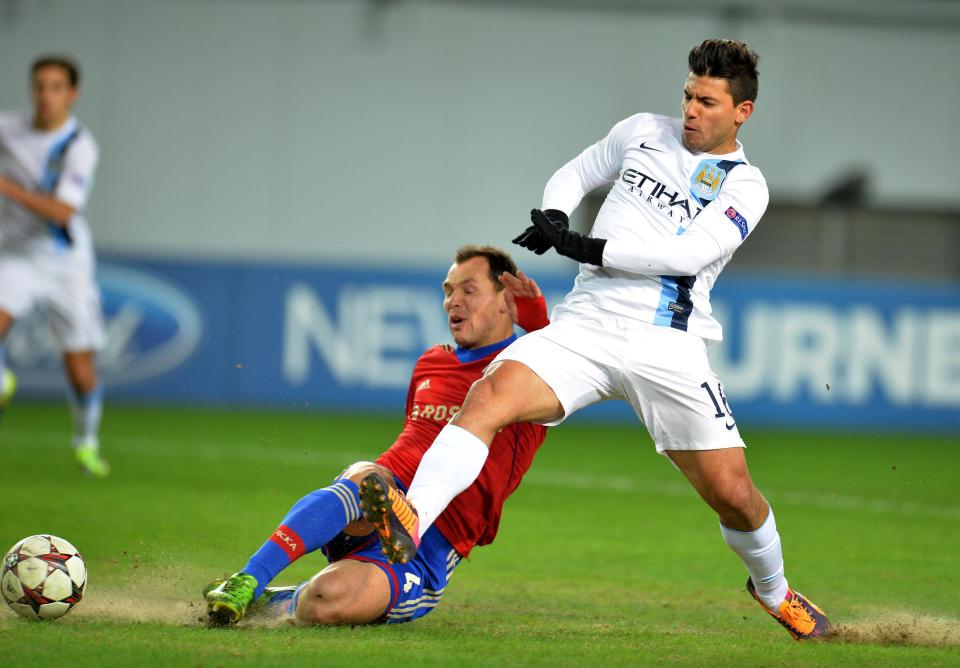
43 577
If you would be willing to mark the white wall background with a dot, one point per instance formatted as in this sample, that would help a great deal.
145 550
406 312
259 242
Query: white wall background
394 130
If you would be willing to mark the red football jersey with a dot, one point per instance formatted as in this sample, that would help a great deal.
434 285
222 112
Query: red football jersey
437 388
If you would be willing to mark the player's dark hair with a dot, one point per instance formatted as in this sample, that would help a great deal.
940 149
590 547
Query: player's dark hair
68 65
499 260
727 59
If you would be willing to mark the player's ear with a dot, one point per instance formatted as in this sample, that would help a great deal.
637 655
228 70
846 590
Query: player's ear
743 112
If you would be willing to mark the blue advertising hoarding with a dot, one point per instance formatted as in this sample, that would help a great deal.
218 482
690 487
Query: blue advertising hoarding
797 352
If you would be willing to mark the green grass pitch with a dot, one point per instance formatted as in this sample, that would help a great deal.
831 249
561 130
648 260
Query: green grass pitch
605 556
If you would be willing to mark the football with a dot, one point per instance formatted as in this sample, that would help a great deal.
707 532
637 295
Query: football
43 577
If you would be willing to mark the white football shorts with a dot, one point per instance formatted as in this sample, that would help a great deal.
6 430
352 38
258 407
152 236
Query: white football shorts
587 355
69 296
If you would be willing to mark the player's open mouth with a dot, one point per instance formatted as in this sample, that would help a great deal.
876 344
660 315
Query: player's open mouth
456 320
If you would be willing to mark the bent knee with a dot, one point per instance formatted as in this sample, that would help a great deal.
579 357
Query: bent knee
322 612
735 499
344 593
360 470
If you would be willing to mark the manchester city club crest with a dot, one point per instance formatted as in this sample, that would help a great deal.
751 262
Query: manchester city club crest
706 180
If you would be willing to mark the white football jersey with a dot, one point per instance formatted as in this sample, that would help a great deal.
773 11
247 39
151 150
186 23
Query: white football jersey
60 163
672 221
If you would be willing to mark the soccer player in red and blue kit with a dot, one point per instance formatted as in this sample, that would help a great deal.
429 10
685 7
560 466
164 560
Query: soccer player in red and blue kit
484 296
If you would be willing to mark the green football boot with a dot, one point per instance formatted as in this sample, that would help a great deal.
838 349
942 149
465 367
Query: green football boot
262 604
8 387
88 456
228 602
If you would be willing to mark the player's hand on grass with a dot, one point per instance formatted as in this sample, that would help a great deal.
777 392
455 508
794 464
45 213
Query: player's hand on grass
525 301
532 239
567 242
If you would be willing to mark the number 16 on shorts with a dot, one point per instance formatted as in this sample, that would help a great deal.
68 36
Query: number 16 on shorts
721 405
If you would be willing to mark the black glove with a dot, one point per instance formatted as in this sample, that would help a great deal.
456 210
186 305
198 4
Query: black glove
531 239
572 244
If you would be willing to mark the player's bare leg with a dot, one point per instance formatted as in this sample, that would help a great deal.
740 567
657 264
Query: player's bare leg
508 392
749 528
346 592
86 406
8 381
722 480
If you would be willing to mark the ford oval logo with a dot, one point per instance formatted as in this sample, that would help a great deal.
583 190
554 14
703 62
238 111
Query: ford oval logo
151 326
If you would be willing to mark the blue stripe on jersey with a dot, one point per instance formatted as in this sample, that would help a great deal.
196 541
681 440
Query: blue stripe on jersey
668 295
681 315
51 177
675 305
466 355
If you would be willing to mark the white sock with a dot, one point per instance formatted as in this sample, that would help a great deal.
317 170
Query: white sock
760 552
87 410
448 467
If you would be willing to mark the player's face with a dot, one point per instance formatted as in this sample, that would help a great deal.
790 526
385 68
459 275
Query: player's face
477 312
710 118
53 96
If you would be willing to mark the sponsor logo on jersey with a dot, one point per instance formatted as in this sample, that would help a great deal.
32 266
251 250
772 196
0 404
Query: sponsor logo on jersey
739 221
425 385
644 146
440 413
707 179
668 201
151 326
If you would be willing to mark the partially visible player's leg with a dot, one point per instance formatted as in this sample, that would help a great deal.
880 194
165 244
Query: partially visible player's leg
311 523
364 587
76 321
746 521
345 592
535 379
509 392
681 401
85 399
750 530
19 285
8 381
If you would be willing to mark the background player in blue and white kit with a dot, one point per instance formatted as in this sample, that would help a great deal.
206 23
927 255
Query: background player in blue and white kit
635 325
47 163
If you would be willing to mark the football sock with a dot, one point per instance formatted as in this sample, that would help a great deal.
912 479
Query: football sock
448 467
313 521
760 552
86 410
284 602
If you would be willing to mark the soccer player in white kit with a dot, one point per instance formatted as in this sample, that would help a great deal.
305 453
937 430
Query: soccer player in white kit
47 163
636 323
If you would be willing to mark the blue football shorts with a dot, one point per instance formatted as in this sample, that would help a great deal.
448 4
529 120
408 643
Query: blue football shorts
415 587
